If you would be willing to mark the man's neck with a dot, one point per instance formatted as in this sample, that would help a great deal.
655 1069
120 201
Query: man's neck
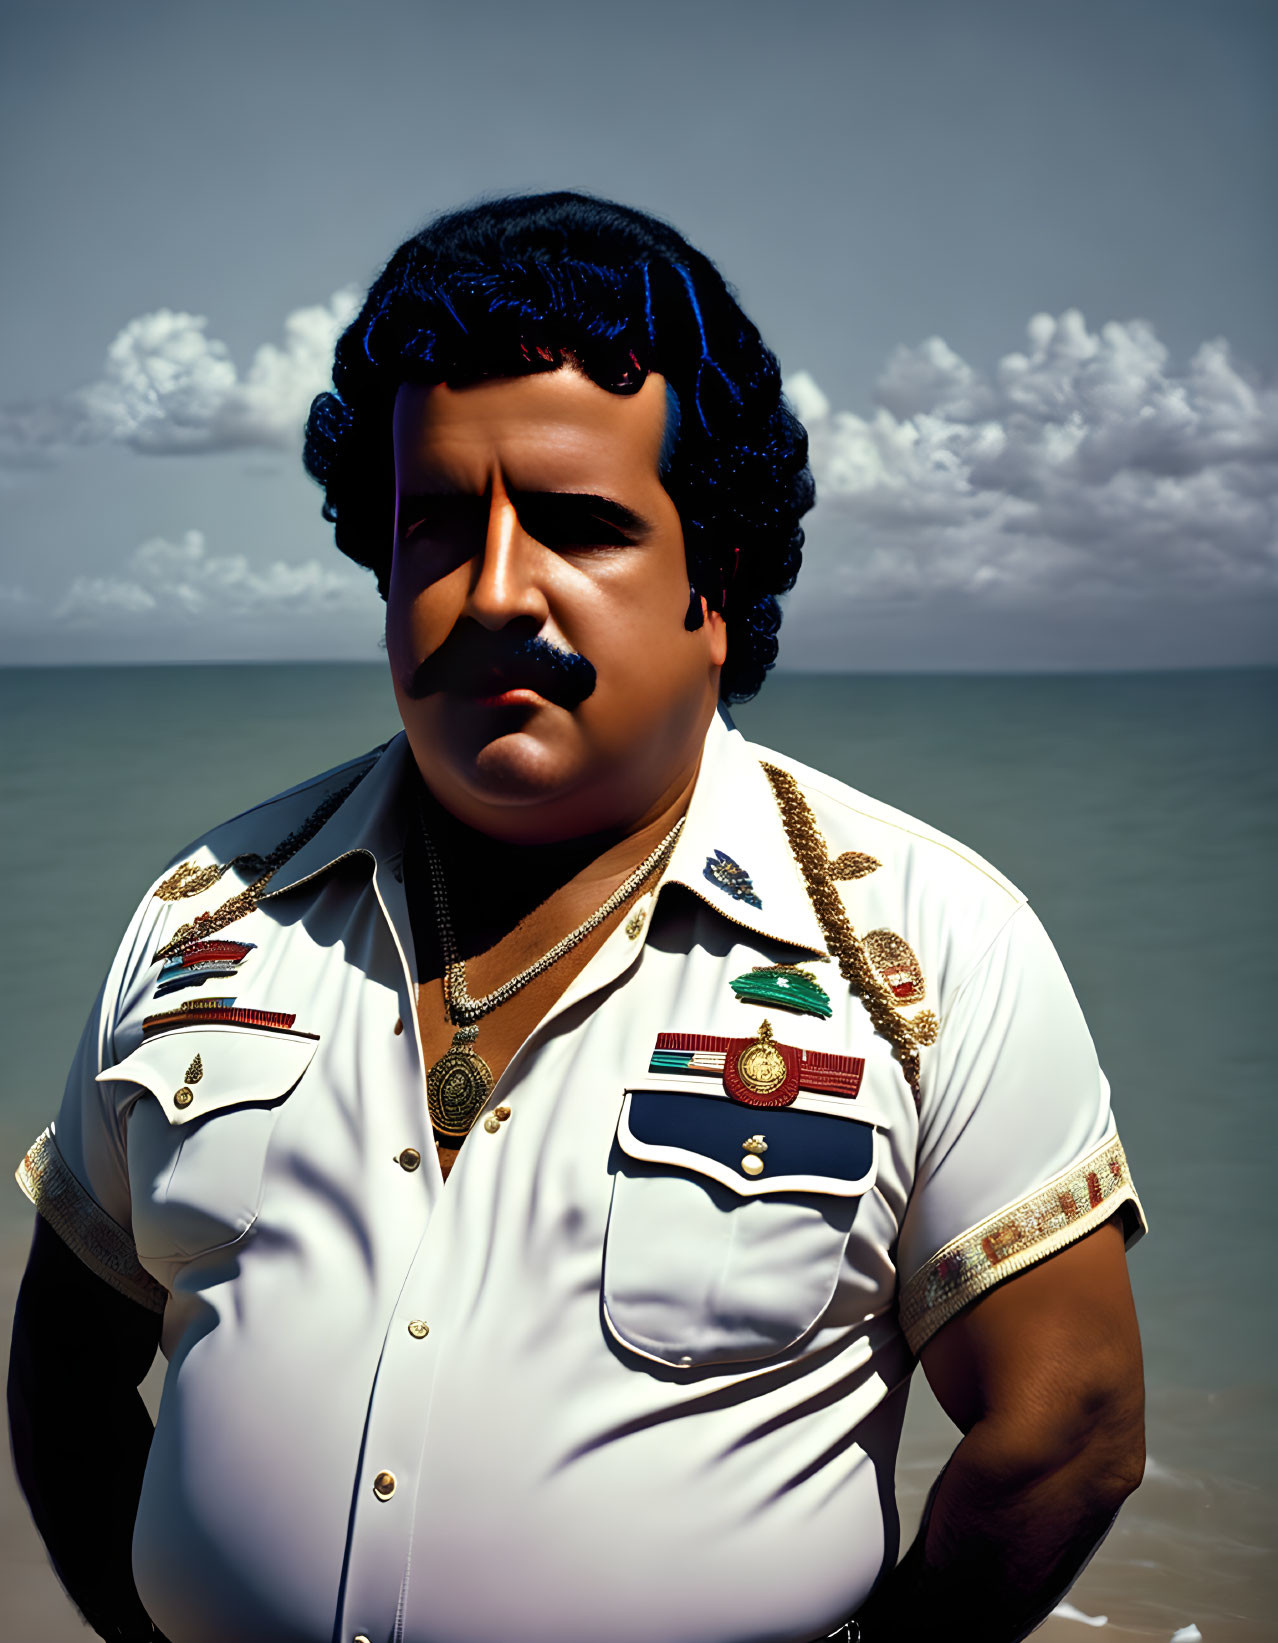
495 885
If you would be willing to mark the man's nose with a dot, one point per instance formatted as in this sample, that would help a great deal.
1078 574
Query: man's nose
505 585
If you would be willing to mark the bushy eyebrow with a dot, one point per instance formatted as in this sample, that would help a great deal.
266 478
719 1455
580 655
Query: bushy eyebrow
604 508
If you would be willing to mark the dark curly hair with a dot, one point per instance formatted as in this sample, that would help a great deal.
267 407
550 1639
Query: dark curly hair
531 282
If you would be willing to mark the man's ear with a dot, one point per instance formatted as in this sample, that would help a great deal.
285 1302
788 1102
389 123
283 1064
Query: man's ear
698 614
718 635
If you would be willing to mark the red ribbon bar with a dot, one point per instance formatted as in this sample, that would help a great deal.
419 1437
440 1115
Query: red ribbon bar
842 1080
232 1016
199 951
692 1042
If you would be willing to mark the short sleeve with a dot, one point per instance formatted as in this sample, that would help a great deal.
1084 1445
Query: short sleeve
1018 1154
76 1173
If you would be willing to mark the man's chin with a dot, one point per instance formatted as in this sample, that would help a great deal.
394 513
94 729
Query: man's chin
509 769
517 768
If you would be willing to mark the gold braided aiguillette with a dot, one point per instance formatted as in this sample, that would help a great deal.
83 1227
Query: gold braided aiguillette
905 1034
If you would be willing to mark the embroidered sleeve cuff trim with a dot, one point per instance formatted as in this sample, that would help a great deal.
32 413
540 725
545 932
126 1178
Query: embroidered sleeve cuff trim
1063 1210
104 1246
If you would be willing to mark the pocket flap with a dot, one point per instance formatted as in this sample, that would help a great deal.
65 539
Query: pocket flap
195 1071
803 1150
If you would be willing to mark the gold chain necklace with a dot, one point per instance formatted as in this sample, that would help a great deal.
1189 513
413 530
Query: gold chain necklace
460 1081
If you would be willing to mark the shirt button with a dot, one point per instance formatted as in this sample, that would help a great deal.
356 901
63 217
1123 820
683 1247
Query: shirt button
502 1113
409 1158
399 1025
384 1485
183 1097
491 1124
419 1329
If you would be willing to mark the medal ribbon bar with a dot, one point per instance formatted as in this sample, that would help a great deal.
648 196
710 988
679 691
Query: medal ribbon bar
820 1071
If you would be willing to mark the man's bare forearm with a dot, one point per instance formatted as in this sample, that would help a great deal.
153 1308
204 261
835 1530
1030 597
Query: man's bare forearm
1002 1540
80 1430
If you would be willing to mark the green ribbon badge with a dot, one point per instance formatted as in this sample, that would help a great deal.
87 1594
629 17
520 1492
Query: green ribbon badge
785 985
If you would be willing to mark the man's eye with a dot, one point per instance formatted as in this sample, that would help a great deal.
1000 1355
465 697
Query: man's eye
562 522
451 519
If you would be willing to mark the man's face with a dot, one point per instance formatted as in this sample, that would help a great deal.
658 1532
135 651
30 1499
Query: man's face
535 617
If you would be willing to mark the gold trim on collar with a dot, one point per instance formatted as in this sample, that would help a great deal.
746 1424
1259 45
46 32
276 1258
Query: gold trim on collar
266 867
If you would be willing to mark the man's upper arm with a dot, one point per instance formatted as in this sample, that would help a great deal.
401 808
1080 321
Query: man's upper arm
1018 1157
1052 1354
76 1173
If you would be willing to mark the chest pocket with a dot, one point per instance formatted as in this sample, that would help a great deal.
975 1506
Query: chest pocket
198 1136
706 1262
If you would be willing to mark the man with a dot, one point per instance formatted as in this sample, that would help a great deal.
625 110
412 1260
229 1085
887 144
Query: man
541 1146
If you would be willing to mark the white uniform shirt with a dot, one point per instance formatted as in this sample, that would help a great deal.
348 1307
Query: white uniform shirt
603 1383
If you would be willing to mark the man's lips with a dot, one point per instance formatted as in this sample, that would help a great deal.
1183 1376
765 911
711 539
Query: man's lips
499 687
512 696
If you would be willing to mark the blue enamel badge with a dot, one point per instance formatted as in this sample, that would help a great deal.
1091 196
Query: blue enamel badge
729 875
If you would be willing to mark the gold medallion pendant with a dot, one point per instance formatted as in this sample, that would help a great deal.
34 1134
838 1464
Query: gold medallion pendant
457 1086
460 1082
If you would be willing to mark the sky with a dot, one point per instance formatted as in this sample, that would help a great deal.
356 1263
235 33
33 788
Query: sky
1016 258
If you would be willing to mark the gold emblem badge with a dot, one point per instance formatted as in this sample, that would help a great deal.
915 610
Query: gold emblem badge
188 880
759 1071
194 1073
761 1066
893 958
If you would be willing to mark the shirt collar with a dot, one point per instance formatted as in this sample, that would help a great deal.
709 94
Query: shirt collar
733 814
370 821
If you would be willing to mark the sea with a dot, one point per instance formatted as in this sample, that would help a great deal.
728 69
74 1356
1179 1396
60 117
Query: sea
1136 811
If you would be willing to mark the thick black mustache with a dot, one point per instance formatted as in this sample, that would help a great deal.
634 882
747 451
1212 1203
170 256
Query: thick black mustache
474 662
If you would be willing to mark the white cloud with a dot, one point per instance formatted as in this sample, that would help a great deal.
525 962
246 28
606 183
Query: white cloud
1085 503
182 583
168 387
1083 468
176 601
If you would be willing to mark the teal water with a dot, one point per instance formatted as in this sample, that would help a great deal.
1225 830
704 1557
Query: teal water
1136 811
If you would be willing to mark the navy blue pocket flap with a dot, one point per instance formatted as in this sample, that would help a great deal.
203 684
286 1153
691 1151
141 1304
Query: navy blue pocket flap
783 1149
